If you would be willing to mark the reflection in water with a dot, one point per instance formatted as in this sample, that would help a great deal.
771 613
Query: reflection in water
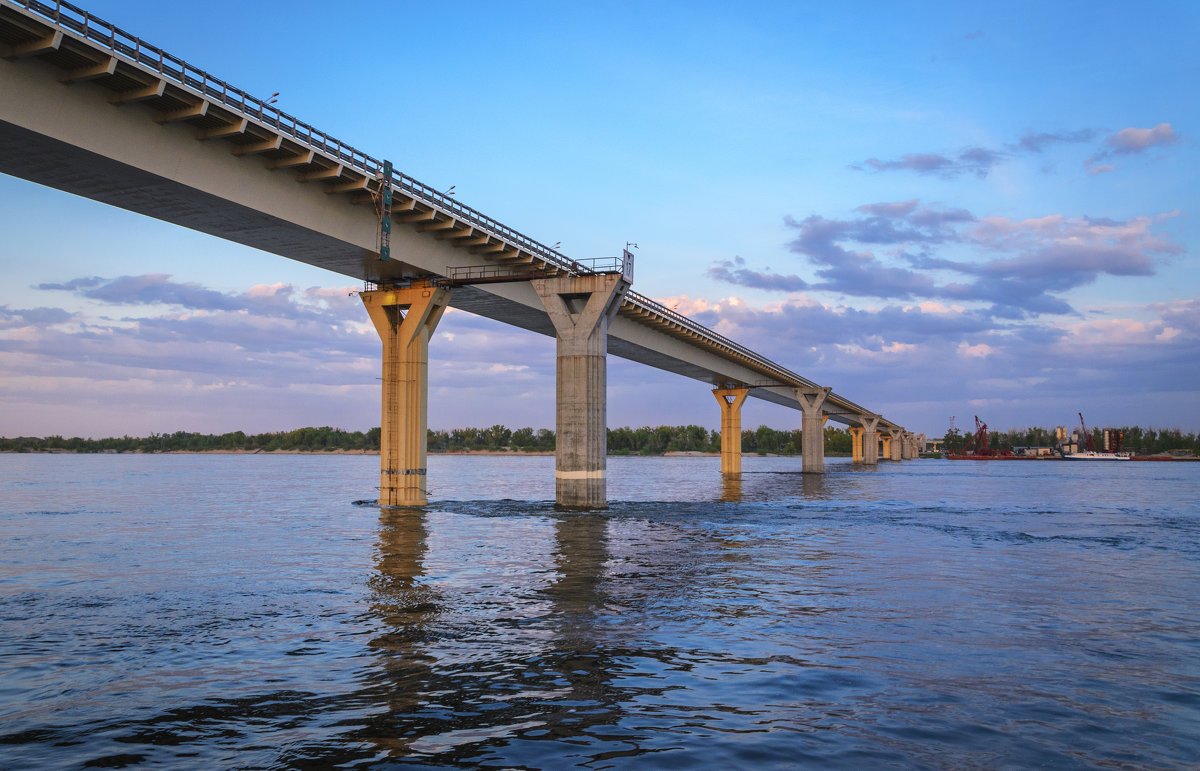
776 486
731 488
408 609
457 682
400 597
579 664
814 486
923 614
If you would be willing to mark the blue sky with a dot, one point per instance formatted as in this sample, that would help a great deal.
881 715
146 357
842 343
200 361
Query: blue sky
938 209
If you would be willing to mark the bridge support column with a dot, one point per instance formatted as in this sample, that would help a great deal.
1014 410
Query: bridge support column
581 308
896 446
731 401
885 446
812 430
906 446
870 439
405 320
856 444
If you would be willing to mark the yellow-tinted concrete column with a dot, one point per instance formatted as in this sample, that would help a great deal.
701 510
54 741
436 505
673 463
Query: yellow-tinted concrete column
812 442
581 308
856 444
405 320
731 401
885 440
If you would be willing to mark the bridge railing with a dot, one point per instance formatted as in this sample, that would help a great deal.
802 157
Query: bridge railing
172 68
121 43
75 19
656 307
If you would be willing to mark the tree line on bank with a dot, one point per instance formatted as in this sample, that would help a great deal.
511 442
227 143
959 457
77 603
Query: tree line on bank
646 440
1136 439
312 439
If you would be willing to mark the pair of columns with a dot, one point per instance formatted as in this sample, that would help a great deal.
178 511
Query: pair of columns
901 445
812 431
865 441
580 308
898 444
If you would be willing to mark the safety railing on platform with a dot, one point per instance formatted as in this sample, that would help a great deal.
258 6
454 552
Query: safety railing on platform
133 49
602 264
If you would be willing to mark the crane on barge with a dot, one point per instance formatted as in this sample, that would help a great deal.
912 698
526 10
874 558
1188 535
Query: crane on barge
977 447
1092 454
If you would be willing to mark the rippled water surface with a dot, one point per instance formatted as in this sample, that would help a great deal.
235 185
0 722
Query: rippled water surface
240 611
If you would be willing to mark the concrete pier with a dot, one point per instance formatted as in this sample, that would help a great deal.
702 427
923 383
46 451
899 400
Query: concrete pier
731 401
581 308
870 439
885 446
856 444
812 428
405 320
896 446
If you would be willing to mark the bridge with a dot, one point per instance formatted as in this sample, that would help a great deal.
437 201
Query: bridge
90 109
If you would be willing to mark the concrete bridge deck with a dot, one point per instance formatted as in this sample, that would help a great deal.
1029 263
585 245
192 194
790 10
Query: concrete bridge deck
92 110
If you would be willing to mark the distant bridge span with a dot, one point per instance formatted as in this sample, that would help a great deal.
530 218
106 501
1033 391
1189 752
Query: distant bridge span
92 110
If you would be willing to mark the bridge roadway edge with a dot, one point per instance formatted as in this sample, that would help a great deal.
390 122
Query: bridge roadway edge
191 208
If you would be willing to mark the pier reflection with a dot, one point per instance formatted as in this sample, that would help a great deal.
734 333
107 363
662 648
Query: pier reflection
775 485
408 608
731 488
815 486
459 679
580 663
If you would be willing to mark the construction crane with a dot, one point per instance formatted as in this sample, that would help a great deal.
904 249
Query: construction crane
978 444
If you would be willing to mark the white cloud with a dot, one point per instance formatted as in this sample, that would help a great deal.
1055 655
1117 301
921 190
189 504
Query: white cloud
1136 140
977 351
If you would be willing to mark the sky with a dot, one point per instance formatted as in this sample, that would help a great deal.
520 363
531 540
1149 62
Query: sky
939 209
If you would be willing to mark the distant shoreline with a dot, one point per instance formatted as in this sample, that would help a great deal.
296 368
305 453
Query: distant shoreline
498 453
490 453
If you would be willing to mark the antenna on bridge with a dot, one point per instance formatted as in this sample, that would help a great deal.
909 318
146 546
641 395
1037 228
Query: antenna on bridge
383 206
627 261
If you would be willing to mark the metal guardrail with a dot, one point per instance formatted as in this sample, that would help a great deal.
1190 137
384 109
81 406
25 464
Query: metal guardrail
461 275
602 264
646 303
136 51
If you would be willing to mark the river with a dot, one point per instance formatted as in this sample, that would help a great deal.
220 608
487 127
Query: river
185 611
